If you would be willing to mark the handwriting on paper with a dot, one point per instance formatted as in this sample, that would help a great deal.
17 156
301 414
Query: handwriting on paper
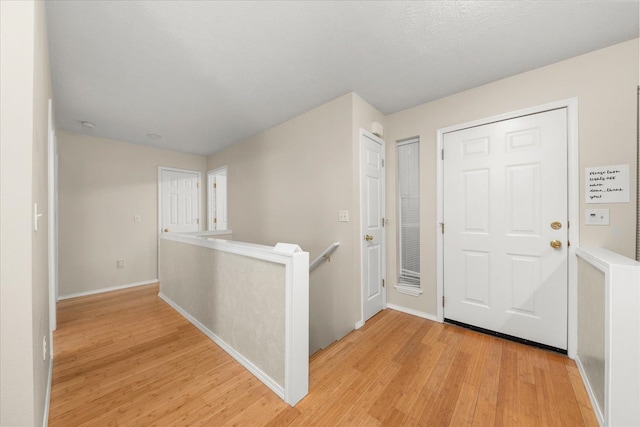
607 184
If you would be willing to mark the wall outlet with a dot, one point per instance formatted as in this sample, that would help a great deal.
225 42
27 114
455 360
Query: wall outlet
120 263
44 347
343 216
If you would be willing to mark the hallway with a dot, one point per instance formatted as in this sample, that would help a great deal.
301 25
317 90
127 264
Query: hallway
126 358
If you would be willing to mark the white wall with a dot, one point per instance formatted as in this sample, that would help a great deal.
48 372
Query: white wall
103 184
605 84
591 327
287 184
25 89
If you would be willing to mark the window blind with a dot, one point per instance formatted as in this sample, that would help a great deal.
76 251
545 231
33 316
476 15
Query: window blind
409 212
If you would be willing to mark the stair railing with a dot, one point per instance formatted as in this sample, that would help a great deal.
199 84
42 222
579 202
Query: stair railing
324 256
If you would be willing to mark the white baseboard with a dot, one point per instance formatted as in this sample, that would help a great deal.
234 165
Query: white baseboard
413 312
113 288
266 379
592 396
359 324
47 395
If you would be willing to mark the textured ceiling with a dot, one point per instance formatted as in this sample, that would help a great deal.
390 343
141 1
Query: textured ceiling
206 74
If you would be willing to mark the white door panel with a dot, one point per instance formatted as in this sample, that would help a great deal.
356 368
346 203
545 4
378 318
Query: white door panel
180 201
221 202
217 198
372 179
505 183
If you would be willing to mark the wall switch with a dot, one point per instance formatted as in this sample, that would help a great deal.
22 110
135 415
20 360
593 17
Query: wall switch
137 218
596 216
36 217
44 347
343 216
121 263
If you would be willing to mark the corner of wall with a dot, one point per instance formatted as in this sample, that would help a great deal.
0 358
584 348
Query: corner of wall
86 173
43 92
24 319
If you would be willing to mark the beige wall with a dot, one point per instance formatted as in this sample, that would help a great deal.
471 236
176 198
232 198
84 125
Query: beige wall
604 82
102 185
287 184
238 298
25 89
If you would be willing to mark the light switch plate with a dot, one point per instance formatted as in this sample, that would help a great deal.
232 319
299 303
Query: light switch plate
343 216
596 216
36 217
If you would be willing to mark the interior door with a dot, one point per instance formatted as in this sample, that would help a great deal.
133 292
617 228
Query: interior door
217 197
505 235
221 201
180 195
372 209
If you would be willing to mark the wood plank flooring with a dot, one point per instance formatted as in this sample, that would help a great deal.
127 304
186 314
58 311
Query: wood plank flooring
128 359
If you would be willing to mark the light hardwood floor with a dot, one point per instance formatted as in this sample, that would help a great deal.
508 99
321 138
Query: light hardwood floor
127 359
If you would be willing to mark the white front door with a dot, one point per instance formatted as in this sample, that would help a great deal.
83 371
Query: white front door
180 196
505 213
372 205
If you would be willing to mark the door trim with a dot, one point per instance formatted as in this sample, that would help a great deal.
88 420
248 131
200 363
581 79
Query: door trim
383 261
52 207
573 205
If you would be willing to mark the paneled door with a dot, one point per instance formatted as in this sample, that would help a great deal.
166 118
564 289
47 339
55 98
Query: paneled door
179 200
505 227
217 198
372 210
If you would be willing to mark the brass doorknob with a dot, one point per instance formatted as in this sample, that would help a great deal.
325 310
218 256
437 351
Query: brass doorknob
368 238
166 230
556 244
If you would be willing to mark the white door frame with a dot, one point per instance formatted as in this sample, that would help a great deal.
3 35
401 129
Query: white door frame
573 205
383 261
159 229
52 208
210 202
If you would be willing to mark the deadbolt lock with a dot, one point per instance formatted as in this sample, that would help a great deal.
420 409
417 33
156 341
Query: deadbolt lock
556 225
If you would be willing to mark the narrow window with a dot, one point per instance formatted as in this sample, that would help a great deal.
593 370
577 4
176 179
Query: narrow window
409 216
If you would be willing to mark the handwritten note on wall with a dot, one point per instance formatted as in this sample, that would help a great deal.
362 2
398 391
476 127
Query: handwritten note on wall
607 184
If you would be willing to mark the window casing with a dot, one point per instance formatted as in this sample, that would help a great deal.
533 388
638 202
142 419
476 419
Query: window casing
408 155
